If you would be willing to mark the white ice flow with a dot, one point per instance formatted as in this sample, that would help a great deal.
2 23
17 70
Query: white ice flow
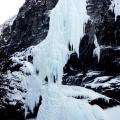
67 21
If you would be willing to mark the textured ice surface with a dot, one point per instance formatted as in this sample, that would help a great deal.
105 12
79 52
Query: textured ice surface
97 49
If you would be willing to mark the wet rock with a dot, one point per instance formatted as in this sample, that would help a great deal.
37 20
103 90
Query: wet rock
109 60
104 103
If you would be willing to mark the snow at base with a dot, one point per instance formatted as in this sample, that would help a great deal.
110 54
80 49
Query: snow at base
113 113
59 103
57 106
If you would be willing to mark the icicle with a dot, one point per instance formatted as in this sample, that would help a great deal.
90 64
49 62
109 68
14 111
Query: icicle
117 8
97 49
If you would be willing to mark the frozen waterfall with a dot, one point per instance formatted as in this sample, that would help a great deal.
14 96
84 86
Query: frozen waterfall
67 22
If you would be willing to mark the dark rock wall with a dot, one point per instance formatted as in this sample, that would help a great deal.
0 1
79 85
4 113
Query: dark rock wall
29 28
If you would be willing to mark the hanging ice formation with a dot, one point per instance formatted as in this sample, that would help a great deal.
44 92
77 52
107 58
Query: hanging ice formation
117 8
97 48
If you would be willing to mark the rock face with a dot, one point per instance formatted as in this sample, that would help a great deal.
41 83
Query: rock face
86 70
29 28
26 29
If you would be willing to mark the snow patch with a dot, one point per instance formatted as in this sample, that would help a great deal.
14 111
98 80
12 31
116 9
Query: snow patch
57 106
